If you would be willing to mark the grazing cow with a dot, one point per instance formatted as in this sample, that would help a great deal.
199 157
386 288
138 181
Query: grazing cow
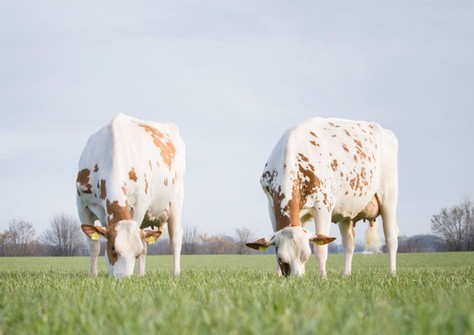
330 170
130 178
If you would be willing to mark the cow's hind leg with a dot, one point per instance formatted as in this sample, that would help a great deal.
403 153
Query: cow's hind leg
176 234
347 233
390 229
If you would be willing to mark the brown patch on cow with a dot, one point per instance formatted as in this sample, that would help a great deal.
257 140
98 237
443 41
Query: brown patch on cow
132 175
313 134
282 217
166 182
268 176
347 132
150 165
83 180
163 142
111 235
303 158
124 188
96 168
360 150
355 158
116 212
146 185
334 165
103 189
346 149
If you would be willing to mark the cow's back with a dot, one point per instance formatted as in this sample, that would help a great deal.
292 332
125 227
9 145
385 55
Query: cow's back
330 164
133 162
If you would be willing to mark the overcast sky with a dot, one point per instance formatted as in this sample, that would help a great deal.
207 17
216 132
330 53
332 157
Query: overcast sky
234 75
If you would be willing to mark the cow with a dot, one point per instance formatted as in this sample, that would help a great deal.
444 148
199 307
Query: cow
330 170
131 178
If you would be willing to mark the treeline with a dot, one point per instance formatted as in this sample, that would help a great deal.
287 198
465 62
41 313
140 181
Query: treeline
452 228
65 238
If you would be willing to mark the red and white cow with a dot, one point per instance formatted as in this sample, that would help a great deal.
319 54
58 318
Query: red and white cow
330 170
130 178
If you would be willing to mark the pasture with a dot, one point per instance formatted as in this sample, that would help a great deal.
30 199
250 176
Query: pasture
221 294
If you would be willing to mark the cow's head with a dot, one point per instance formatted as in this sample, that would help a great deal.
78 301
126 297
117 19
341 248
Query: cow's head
125 242
292 248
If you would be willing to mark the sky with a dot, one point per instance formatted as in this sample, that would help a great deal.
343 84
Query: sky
234 75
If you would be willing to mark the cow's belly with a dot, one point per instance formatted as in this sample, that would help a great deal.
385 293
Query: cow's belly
348 207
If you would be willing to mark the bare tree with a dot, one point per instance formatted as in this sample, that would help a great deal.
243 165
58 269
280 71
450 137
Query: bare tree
64 238
218 244
244 235
19 238
3 240
191 239
456 227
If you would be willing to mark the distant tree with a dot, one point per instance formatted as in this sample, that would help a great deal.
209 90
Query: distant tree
218 244
19 238
244 235
64 237
3 238
334 248
456 227
160 247
191 240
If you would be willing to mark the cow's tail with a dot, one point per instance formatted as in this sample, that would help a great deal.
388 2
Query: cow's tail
372 240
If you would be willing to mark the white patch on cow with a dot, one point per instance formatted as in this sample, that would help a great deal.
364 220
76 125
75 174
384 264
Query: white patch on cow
292 248
128 245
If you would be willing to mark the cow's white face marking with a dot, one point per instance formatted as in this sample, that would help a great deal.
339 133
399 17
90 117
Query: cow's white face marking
292 249
128 245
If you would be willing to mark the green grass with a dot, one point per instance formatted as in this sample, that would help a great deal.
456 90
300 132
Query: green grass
431 294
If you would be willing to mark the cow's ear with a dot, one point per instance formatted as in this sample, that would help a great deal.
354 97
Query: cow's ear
260 244
150 236
321 239
93 232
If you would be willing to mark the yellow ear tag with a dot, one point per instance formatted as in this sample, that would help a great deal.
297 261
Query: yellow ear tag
319 242
151 240
261 248
95 236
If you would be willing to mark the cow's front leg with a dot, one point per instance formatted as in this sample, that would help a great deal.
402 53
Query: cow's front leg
141 259
347 233
322 221
94 249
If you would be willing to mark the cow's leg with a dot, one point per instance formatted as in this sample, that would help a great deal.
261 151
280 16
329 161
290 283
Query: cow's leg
176 234
388 211
322 221
87 217
94 249
390 230
273 221
141 212
141 261
347 233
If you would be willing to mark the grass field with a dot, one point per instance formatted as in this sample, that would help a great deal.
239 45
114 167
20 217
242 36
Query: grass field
431 294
